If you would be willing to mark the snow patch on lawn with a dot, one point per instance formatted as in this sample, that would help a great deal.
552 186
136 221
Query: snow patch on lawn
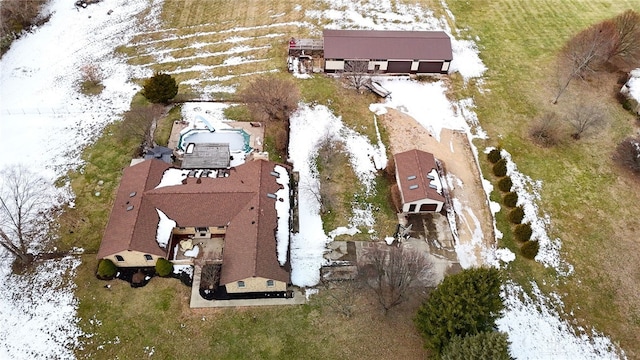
38 312
633 85
537 331
310 125
528 192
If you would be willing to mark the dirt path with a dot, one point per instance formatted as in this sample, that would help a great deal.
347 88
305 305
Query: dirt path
473 218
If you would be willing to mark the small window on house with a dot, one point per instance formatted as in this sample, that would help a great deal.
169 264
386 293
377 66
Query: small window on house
240 284
148 257
270 283
119 258
413 187
412 207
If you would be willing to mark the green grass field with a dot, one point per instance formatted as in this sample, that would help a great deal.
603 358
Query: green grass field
591 203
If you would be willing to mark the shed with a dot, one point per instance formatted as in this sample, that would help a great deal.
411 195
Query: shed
419 182
161 153
403 52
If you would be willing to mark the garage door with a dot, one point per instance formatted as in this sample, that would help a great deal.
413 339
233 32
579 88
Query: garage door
428 207
399 67
430 67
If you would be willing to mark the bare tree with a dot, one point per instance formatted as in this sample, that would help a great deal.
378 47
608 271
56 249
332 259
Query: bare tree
271 98
585 53
210 276
627 47
585 117
390 272
24 201
140 122
356 73
545 130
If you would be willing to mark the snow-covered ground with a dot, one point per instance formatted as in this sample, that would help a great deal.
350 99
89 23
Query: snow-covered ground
46 121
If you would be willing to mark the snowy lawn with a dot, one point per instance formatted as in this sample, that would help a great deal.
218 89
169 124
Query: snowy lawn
40 102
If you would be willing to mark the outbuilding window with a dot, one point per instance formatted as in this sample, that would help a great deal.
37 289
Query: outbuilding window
119 258
270 283
412 207
240 284
148 257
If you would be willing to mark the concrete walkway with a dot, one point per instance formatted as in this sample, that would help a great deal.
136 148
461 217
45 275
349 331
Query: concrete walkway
198 302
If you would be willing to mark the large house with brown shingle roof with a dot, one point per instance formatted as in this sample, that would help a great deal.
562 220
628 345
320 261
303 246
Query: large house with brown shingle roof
419 182
230 214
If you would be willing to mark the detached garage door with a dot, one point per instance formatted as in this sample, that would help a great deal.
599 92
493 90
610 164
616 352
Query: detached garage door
399 67
428 207
430 67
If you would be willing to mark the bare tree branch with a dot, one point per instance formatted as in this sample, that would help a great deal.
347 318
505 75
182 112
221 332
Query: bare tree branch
390 272
585 117
24 197
585 53
627 47
271 98
356 73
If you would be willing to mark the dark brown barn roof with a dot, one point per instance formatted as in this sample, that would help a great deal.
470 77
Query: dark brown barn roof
374 44
418 164
238 201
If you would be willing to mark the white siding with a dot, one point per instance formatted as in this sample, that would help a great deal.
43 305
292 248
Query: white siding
334 65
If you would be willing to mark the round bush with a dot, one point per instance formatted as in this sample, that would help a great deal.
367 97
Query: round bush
505 184
523 232
106 269
500 168
494 156
510 199
516 215
164 267
160 88
530 249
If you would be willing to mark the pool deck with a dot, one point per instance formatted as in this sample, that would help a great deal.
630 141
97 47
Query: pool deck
256 133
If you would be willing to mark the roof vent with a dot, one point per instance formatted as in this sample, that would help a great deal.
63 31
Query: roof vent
130 207
413 187
272 196
132 194
411 177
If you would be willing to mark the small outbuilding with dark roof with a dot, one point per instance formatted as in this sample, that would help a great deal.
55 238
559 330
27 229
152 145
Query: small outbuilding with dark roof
402 52
417 175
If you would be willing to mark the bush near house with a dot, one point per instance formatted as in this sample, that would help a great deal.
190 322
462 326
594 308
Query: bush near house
530 249
493 345
164 267
510 199
505 184
523 232
494 155
627 154
106 269
500 168
516 215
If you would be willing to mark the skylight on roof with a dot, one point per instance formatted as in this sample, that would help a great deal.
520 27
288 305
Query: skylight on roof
132 194
130 207
272 196
411 177
413 187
